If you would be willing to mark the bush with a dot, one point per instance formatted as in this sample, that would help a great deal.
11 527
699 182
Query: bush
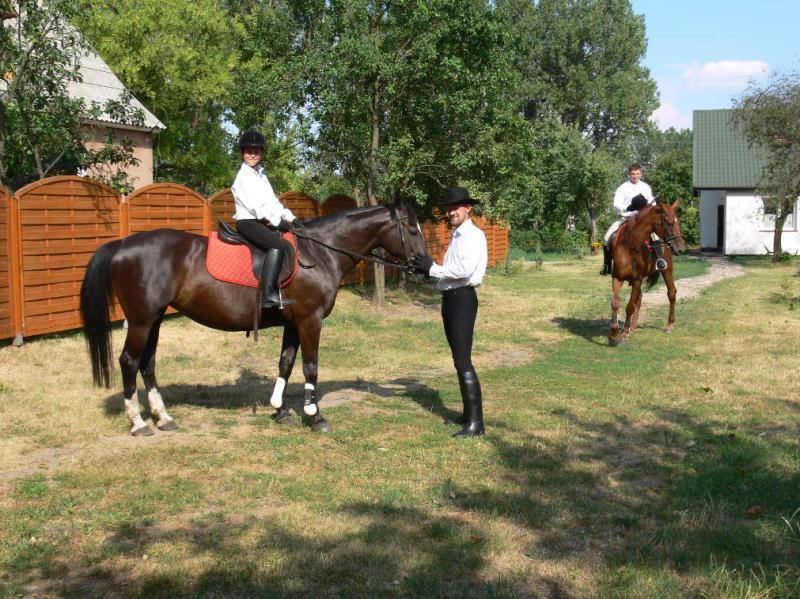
570 243
690 224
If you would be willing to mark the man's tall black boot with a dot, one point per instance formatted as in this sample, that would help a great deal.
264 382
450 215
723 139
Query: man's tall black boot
463 418
606 261
471 393
658 248
270 271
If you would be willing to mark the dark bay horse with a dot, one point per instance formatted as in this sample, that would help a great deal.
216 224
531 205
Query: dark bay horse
633 260
150 271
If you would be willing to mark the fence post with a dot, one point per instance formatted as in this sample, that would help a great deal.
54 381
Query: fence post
15 267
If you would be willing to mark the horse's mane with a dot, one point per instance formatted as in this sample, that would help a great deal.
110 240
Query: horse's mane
639 216
342 214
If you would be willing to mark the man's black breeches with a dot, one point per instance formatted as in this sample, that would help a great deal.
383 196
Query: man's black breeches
459 309
259 234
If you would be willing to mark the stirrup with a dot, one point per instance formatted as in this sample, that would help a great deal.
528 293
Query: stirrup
661 264
271 302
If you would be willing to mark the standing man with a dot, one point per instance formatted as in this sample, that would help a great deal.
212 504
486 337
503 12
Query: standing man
460 273
622 198
260 216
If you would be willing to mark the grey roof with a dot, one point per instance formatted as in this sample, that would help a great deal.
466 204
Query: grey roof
100 84
722 157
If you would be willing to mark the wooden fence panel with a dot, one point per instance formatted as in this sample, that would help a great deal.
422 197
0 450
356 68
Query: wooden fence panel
335 203
222 207
302 205
63 220
167 205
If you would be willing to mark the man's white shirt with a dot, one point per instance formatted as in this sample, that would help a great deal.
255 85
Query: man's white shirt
254 198
465 259
626 192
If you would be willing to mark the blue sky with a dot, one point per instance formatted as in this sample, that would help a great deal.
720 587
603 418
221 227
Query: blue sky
703 53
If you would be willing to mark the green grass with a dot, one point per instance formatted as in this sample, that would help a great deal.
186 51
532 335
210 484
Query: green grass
632 471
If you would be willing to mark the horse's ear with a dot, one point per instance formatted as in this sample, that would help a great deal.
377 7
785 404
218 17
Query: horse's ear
676 203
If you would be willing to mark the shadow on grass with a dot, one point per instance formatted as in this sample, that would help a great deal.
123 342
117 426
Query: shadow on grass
668 495
254 390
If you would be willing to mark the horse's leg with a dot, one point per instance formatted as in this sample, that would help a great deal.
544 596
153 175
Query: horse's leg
129 360
672 293
616 290
309 332
636 296
288 354
636 310
147 366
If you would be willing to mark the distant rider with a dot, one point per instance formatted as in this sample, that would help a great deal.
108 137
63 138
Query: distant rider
623 197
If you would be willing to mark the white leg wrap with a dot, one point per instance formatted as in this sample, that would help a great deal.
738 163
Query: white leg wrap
132 411
157 407
276 401
310 409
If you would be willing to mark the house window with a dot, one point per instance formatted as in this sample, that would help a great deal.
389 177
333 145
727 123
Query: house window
768 220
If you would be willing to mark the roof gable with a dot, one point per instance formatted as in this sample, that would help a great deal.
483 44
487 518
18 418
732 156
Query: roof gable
722 158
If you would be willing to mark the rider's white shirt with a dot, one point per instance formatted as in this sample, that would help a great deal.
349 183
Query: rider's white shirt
254 198
465 259
626 192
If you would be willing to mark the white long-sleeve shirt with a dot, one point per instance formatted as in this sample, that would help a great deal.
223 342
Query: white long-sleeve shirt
254 198
465 259
626 192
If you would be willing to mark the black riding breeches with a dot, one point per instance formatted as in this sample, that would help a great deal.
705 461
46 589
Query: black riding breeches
259 234
459 309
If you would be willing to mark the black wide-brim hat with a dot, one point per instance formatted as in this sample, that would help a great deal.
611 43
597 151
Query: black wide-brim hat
458 195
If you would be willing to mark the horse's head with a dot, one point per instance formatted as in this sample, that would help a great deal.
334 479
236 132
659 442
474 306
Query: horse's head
402 237
668 225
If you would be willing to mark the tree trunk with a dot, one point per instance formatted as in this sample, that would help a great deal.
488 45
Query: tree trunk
593 230
379 296
777 249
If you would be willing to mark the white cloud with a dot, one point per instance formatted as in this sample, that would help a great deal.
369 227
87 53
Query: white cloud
666 116
724 73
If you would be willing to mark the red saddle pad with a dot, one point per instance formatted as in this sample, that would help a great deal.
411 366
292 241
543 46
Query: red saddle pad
232 263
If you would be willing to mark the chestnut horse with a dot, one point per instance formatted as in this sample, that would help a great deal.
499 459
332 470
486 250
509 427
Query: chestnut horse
634 259
150 271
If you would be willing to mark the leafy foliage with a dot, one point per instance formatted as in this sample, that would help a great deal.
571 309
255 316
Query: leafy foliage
770 117
42 127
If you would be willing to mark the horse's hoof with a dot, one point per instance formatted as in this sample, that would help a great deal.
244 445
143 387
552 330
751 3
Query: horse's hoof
283 417
169 425
142 431
321 426
669 329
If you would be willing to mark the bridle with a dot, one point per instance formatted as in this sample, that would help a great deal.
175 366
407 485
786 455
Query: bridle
372 256
670 235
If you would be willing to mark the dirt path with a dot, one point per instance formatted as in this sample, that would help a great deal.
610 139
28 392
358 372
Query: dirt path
690 288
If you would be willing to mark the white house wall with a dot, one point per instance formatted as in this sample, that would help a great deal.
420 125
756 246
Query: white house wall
709 200
745 231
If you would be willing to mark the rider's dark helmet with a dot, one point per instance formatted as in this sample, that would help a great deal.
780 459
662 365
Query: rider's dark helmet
252 139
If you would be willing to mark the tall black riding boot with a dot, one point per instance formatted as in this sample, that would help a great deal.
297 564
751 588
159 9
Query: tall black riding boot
658 248
471 393
606 261
270 271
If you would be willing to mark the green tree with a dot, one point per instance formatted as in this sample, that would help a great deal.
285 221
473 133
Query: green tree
178 58
769 115
42 127
411 98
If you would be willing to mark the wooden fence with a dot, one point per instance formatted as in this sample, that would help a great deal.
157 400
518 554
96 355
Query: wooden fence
50 229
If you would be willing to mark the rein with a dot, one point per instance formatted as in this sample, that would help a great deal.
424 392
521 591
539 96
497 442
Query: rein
371 257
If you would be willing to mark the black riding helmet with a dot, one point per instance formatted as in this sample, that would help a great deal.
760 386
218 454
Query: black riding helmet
252 139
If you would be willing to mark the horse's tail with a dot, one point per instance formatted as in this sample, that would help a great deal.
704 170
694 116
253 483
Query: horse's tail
97 295
652 278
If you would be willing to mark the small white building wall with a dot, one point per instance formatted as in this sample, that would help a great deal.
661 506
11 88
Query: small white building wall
709 200
746 231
